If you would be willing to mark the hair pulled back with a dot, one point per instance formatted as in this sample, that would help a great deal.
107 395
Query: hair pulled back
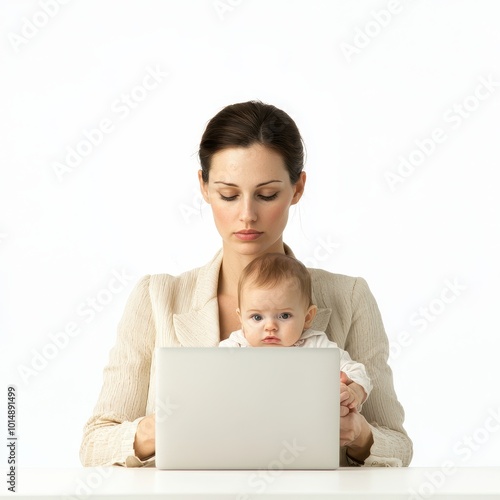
253 122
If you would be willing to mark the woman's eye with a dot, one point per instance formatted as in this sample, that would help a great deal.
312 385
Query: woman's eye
285 316
227 198
268 198
257 317
260 196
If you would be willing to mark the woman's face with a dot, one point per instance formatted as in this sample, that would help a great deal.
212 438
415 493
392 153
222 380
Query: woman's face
250 193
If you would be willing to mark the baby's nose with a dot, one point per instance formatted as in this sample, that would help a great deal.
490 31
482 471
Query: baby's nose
271 325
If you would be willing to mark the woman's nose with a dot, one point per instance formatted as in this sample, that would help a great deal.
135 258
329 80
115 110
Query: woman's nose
248 213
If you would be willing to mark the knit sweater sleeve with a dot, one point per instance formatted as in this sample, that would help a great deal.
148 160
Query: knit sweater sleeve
109 434
367 343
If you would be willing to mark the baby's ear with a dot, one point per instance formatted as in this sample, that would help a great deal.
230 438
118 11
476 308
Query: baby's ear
311 313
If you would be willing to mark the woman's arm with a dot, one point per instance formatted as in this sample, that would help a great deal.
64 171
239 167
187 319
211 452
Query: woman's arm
380 438
110 434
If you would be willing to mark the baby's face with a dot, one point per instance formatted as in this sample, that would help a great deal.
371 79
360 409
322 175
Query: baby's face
274 317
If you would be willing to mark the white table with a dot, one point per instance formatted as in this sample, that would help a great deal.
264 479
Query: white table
112 483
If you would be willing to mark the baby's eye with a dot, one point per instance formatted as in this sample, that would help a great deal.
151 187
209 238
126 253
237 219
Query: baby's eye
257 317
284 316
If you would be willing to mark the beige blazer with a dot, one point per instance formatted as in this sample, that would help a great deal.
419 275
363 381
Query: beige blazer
165 310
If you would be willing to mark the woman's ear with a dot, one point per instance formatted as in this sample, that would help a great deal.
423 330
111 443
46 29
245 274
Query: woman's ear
203 187
311 313
299 188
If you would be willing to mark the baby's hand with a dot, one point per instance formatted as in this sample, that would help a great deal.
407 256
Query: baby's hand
348 397
351 394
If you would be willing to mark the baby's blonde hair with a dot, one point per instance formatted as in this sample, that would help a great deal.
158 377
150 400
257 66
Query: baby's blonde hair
272 269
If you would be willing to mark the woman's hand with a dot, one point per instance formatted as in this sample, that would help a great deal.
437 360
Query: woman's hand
144 444
355 433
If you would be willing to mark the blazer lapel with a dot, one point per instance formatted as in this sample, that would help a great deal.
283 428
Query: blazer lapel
200 326
322 318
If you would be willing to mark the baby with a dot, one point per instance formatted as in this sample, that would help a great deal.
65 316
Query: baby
275 310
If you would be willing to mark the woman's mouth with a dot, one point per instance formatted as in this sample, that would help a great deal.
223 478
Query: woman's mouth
248 234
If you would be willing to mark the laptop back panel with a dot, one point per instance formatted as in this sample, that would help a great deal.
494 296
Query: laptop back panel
247 408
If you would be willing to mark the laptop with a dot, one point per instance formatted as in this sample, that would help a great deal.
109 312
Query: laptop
247 408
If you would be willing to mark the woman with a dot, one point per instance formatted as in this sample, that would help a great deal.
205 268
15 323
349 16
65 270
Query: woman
252 160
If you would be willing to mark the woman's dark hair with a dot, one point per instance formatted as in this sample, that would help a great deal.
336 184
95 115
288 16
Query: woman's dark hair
253 122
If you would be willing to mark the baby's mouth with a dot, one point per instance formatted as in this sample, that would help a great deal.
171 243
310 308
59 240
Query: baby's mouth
271 339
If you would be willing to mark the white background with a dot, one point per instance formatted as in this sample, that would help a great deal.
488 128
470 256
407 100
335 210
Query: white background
132 205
